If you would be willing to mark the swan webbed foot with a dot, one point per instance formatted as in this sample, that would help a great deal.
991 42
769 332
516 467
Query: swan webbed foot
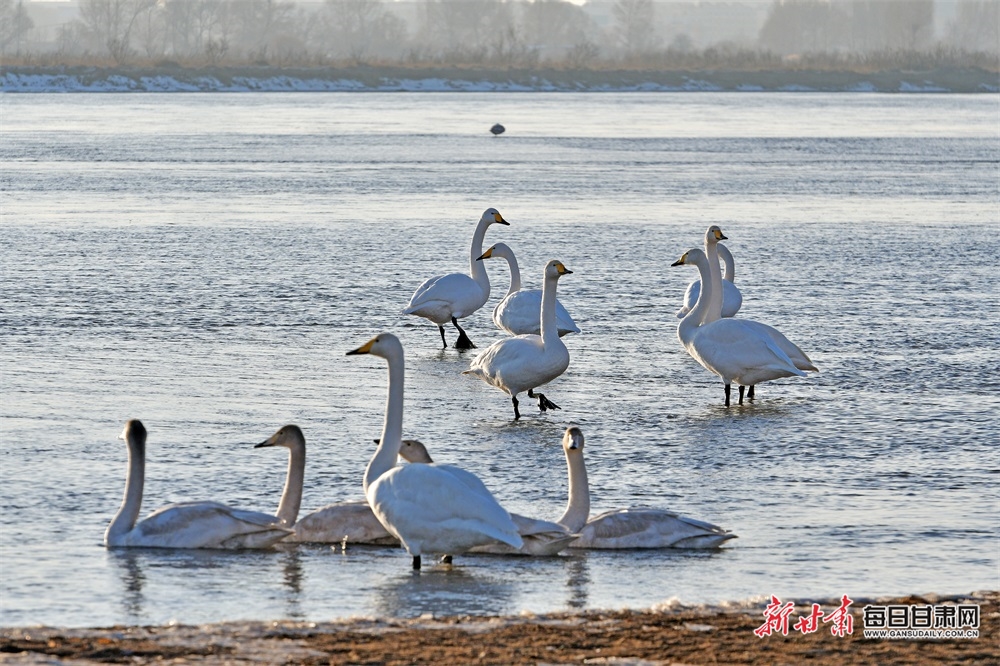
513 400
728 389
443 339
416 563
750 392
463 340
543 402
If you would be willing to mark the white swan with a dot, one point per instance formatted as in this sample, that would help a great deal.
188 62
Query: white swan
732 298
541 537
627 528
184 524
430 508
525 362
519 312
450 297
738 350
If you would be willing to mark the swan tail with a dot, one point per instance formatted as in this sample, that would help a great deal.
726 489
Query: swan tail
704 541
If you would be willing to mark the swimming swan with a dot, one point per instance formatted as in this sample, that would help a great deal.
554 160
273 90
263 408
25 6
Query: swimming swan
525 362
627 528
541 537
519 312
430 508
739 350
450 297
732 298
340 522
184 524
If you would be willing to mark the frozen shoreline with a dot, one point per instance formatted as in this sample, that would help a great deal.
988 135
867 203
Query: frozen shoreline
268 79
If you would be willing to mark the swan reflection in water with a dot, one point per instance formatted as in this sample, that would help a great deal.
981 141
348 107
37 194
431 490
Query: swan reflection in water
445 590
145 571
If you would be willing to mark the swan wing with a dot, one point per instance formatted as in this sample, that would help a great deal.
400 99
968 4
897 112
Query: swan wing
206 525
690 298
541 537
520 363
433 509
737 351
333 523
649 528
796 355
445 296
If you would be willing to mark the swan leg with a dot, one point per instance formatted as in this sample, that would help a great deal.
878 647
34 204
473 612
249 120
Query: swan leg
728 389
513 400
742 389
416 563
543 402
463 340
441 328
750 392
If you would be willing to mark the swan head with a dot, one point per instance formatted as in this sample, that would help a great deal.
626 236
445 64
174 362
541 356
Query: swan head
385 345
573 439
555 269
288 436
694 256
135 434
413 451
493 216
714 234
497 250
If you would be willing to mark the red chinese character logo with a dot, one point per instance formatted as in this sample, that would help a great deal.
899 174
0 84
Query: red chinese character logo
810 623
843 621
776 618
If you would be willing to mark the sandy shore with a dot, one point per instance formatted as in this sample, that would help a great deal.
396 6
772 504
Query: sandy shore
662 636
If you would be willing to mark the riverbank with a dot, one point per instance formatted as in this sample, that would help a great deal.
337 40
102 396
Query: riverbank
666 635
175 78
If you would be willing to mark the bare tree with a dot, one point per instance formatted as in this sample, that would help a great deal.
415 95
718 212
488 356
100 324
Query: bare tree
976 26
805 26
463 29
554 27
15 24
110 23
360 28
634 25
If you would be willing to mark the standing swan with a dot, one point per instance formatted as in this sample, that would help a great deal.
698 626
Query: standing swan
350 522
185 524
525 362
739 350
732 298
450 297
430 508
519 312
627 528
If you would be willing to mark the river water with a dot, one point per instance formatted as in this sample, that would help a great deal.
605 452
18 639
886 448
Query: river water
204 261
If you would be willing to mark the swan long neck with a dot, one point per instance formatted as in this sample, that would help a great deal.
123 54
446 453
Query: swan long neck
291 496
689 325
135 478
727 259
550 332
515 273
476 268
578 507
392 428
714 309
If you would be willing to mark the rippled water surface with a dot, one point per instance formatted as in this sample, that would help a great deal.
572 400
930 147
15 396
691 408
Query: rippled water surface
203 262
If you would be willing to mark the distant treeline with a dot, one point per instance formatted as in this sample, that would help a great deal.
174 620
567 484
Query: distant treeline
857 35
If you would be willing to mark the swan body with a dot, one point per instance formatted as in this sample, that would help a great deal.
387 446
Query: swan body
525 362
519 312
541 537
737 350
732 298
184 524
627 528
430 508
448 298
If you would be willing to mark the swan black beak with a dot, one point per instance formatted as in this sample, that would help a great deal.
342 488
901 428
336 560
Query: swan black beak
498 219
720 236
485 255
680 262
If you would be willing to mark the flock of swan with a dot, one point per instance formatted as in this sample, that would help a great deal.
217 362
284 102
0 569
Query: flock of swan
440 509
